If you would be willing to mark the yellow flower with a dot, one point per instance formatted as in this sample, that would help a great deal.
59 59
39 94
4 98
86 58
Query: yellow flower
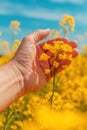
69 18
66 47
44 56
15 24
15 27
5 44
14 46
46 46
18 123
13 127
71 24
61 23
46 71
1 124
68 24
62 56
55 64
27 112
65 56
17 41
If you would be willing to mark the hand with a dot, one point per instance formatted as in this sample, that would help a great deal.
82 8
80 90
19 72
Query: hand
27 61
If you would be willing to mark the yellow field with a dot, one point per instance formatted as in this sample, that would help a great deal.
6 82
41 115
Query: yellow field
34 111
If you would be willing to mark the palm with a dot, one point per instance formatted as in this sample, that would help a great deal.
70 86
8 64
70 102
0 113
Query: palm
44 64
27 58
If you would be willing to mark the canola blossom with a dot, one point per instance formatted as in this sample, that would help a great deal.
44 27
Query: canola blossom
15 27
46 71
59 51
44 56
68 24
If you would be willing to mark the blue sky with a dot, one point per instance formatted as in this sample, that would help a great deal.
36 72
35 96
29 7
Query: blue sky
41 14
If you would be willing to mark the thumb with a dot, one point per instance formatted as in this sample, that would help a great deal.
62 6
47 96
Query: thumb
38 35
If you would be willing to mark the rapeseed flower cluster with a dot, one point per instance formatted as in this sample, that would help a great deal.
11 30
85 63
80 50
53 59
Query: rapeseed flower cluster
15 27
59 51
68 24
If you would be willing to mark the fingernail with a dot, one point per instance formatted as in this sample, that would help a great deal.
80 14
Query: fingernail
47 29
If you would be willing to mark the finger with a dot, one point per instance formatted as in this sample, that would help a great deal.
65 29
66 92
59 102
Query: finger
73 44
75 53
49 53
64 65
51 61
50 41
42 63
64 39
38 35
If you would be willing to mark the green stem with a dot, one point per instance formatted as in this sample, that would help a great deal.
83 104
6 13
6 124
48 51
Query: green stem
8 121
54 76
8 118
51 99
7 115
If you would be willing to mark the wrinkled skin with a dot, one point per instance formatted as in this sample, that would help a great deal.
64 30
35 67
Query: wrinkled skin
27 61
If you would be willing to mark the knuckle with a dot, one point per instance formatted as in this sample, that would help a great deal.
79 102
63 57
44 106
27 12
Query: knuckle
25 39
38 34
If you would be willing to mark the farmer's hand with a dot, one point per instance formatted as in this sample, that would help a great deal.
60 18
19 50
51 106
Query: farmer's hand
24 73
27 61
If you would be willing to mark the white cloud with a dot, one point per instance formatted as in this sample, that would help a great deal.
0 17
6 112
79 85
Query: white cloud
11 8
41 13
70 1
38 12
